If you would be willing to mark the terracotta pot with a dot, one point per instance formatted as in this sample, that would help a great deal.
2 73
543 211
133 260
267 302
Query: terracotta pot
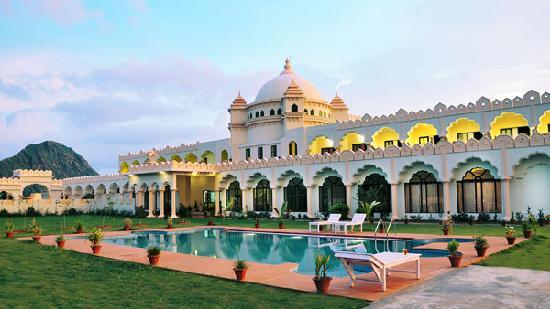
154 259
445 232
60 243
527 234
9 234
96 248
240 273
481 251
257 225
322 284
79 230
281 225
169 226
36 238
126 227
511 240
455 260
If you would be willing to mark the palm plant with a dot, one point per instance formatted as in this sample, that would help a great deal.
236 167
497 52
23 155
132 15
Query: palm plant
280 213
321 266
95 236
367 208
10 226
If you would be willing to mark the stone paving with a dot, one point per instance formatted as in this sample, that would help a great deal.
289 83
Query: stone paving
476 287
281 275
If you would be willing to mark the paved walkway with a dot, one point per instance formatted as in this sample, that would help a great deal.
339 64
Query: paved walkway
476 287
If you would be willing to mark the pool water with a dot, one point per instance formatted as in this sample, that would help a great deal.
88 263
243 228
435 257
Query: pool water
268 248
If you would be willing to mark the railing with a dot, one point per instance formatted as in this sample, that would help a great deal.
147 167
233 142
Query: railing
375 234
387 235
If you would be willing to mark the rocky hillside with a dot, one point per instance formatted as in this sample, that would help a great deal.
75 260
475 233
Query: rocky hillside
62 160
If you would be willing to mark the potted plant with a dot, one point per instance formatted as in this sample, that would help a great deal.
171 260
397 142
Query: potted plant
9 229
447 226
240 268
36 232
60 240
321 280
127 224
210 221
257 224
153 254
527 229
481 245
281 214
79 227
367 208
169 223
454 256
509 231
95 237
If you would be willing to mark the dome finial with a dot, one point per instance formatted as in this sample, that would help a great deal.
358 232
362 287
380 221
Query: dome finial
288 65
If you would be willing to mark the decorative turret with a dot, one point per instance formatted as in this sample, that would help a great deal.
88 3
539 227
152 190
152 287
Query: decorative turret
239 101
236 125
339 108
293 90
338 103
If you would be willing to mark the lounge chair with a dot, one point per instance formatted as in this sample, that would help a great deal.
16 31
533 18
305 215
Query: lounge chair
357 219
333 218
381 263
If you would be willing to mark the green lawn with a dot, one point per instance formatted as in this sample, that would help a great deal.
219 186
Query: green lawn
43 277
72 279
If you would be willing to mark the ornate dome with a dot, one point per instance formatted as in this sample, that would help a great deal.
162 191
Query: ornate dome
275 88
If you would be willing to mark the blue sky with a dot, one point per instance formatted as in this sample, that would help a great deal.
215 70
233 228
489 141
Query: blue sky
108 77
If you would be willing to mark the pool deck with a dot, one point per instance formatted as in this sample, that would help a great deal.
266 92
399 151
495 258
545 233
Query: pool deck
282 275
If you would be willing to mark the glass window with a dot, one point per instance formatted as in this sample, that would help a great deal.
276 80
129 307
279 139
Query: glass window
279 111
257 114
271 113
507 131
423 194
261 113
356 147
425 139
388 143
260 152
262 196
312 112
234 191
273 151
296 195
292 148
330 150
247 153
333 191
478 191
376 188
294 108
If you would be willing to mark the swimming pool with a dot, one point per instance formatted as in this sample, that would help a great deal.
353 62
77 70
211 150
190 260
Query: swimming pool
263 247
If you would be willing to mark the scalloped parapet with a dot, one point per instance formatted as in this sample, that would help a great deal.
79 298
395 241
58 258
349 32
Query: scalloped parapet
531 97
32 173
172 166
89 179
163 151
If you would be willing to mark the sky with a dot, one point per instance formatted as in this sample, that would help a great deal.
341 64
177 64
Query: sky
110 77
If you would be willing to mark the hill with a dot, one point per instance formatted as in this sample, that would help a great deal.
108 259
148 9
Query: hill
60 159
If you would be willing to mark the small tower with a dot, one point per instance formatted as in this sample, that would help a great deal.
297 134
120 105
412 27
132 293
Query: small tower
339 108
236 125
293 103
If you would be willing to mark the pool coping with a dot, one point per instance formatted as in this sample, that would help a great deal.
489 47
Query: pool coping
283 275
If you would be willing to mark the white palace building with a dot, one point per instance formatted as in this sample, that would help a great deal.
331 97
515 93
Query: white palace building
292 145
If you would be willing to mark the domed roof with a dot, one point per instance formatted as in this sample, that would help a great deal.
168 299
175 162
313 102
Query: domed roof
274 89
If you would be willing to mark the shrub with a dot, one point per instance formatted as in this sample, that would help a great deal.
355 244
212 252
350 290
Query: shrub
95 236
541 219
509 231
72 212
519 216
60 238
240 264
341 209
461 217
31 212
128 222
481 242
452 246
79 225
153 251
483 217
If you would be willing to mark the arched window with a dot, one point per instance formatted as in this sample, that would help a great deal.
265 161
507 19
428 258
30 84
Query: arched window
272 113
224 155
234 191
250 116
305 111
376 188
257 114
261 113
279 111
296 195
262 196
294 108
332 192
423 194
292 149
478 191
312 113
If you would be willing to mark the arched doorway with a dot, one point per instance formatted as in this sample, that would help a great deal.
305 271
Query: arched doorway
292 148
262 196
167 200
332 192
295 194
423 194
31 190
224 156
376 188
234 192
478 191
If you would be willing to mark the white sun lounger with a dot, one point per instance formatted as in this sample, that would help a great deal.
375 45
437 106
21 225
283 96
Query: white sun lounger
358 219
381 264
329 222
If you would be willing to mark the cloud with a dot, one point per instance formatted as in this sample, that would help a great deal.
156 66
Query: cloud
62 12
13 91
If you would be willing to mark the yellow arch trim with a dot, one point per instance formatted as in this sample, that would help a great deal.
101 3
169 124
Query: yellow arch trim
319 143
461 125
350 138
507 120
544 120
419 130
123 168
382 135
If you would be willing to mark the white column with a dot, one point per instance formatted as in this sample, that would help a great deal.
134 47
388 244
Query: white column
140 198
348 198
275 202
309 196
446 196
246 205
173 203
506 199
217 196
223 200
161 203
151 203
394 201
315 199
